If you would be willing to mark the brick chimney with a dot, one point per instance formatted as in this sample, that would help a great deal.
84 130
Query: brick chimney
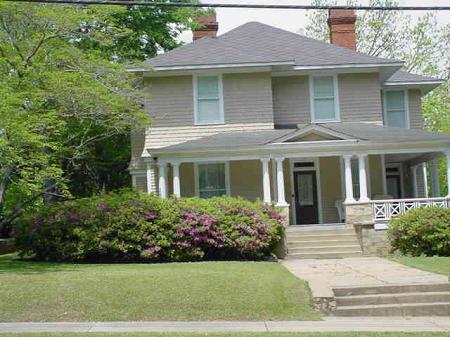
342 27
210 27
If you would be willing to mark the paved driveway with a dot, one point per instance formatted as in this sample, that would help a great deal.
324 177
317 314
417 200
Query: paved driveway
324 274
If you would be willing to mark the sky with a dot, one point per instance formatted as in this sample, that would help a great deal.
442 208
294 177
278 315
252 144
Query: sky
290 19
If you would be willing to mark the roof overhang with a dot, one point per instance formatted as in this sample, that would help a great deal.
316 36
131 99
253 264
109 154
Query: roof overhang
304 149
424 86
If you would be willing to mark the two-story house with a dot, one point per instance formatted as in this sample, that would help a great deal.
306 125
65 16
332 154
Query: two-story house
313 127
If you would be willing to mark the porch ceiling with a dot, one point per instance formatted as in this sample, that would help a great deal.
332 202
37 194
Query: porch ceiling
345 137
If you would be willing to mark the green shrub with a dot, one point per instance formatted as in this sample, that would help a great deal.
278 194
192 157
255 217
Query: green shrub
133 226
421 231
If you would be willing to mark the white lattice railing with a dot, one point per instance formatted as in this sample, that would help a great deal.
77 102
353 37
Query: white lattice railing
384 210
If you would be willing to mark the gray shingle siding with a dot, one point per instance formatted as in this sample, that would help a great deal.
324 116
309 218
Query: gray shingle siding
291 100
416 120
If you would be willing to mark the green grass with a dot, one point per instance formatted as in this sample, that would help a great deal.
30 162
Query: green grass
266 334
32 291
440 265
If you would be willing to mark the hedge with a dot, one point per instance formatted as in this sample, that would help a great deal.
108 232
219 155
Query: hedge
421 231
130 226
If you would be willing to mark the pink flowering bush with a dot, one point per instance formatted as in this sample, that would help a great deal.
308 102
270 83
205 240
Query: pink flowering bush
132 226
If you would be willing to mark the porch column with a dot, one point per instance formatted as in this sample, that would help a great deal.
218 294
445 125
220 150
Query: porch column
348 179
176 179
150 177
435 188
266 179
425 180
448 173
280 183
362 178
383 174
162 183
414 180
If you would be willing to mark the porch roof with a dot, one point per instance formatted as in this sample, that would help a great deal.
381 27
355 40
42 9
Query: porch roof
336 133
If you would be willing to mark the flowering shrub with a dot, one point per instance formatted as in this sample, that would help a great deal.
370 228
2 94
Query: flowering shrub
133 226
421 231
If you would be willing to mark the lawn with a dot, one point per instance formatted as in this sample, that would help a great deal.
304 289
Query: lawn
32 291
440 265
265 334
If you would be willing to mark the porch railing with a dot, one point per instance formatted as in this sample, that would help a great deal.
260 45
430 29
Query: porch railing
385 210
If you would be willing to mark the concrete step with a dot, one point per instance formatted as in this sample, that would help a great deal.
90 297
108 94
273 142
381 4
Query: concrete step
425 297
317 237
325 249
408 309
322 243
392 289
335 255
319 232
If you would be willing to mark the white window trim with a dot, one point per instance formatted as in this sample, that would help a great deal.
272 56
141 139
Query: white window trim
336 99
195 94
406 100
227 175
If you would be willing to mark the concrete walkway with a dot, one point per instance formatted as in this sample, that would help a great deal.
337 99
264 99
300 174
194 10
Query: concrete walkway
323 275
329 324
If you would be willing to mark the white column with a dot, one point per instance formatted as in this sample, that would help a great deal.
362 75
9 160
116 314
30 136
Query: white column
363 197
448 173
150 177
425 179
435 188
266 179
414 180
383 174
348 179
280 183
162 183
176 179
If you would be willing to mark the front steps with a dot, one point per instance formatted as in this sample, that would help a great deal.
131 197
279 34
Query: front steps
321 243
393 300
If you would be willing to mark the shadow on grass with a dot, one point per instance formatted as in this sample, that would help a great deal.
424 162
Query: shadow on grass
12 263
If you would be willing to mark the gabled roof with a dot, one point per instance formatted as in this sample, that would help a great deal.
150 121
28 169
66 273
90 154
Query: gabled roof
363 133
257 43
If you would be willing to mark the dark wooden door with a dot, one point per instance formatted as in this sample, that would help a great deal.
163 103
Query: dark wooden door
306 203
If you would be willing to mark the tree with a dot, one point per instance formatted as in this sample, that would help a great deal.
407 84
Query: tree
68 103
423 45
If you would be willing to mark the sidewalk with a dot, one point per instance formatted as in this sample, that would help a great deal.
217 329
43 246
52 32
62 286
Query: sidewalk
329 324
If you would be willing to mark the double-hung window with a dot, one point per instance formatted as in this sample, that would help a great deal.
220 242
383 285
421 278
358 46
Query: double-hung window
208 100
212 179
396 109
324 99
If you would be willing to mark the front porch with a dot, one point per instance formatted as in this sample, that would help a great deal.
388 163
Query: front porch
317 174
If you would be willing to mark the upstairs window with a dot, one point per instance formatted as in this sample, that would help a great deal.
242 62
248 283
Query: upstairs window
212 179
396 109
324 99
208 100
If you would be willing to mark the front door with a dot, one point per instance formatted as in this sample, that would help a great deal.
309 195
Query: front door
306 204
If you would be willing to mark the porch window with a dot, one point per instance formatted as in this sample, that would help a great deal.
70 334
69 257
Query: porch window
324 99
208 101
395 108
212 180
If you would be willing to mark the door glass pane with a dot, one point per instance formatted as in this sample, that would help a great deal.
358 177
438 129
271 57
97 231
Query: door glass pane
323 87
211 179
305 190
393 186
324 109
208 87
